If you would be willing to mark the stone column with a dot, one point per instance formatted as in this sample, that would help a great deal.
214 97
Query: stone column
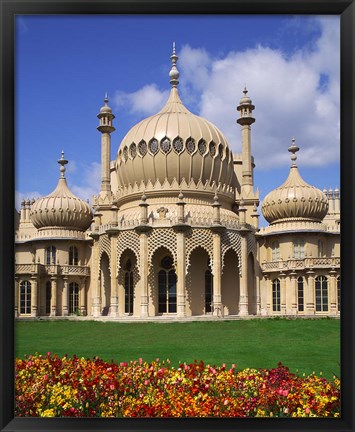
264 294
54 296
217 294
243 299
181 272
180 228
114 288
309 297
17 290
82 297
96 310
34 296
283 293
143 245
333 291
65 297
143 230
294 297
269 294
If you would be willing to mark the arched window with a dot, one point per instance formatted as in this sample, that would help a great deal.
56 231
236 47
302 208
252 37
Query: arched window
51 254
48 296
320 249
321 294
300 294
208 291
73 255
167 286
25 297
73 298
128 288
275 247
276 293
338 292
298 249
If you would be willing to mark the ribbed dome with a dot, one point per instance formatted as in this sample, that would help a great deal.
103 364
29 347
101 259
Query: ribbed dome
175 148
295 199
61 209
174 144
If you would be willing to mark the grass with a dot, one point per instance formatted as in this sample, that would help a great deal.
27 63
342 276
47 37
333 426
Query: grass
303 345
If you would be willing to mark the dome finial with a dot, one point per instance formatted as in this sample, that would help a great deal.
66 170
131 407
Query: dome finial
62 162
174 73
106 99
293 149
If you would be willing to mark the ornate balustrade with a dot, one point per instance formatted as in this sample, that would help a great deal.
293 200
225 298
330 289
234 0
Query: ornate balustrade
300 264
65 270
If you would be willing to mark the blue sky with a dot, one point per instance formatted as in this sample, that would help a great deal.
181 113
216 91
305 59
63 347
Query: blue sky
65 64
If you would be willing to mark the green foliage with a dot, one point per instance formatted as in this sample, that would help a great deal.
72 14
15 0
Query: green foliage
303 345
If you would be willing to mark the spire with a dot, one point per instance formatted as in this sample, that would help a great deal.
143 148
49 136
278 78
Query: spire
62 162
293 149
174 73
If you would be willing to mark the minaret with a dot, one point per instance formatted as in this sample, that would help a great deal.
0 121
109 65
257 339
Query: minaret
105 127
246 120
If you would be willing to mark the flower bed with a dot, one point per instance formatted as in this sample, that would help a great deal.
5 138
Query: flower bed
50 386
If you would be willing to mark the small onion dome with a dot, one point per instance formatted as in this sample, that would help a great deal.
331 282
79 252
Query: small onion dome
174 144
245 100
295 199
106 108
61 209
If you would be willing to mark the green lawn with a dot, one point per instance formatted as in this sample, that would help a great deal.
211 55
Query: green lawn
302 345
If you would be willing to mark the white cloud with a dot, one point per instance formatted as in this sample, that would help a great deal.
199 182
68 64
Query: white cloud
289 101
87 182
296 96
147 101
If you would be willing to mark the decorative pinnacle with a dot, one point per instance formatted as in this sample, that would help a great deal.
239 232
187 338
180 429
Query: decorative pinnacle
245 91
293 149
174 73
106 99
62 162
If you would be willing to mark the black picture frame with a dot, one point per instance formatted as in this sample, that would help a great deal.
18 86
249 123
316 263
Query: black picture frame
8 10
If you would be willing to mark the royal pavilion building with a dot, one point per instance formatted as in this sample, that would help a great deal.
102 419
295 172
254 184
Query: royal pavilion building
174 231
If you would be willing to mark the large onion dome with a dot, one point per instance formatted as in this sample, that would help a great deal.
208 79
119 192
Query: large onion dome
295 200
174 147
61 208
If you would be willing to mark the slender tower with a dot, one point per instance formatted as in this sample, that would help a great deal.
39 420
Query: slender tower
105 127
246 119
247 194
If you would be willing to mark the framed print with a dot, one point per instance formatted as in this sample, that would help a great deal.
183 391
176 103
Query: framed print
188 264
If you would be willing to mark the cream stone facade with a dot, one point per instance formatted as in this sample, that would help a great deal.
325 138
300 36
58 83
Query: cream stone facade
174 231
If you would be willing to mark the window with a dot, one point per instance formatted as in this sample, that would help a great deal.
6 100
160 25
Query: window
320 249
128 288
275 247
298 249
73 255
73 298
276 306
338 292
300 294
25 297
321 294
48 297
167 286
208 291
51 253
